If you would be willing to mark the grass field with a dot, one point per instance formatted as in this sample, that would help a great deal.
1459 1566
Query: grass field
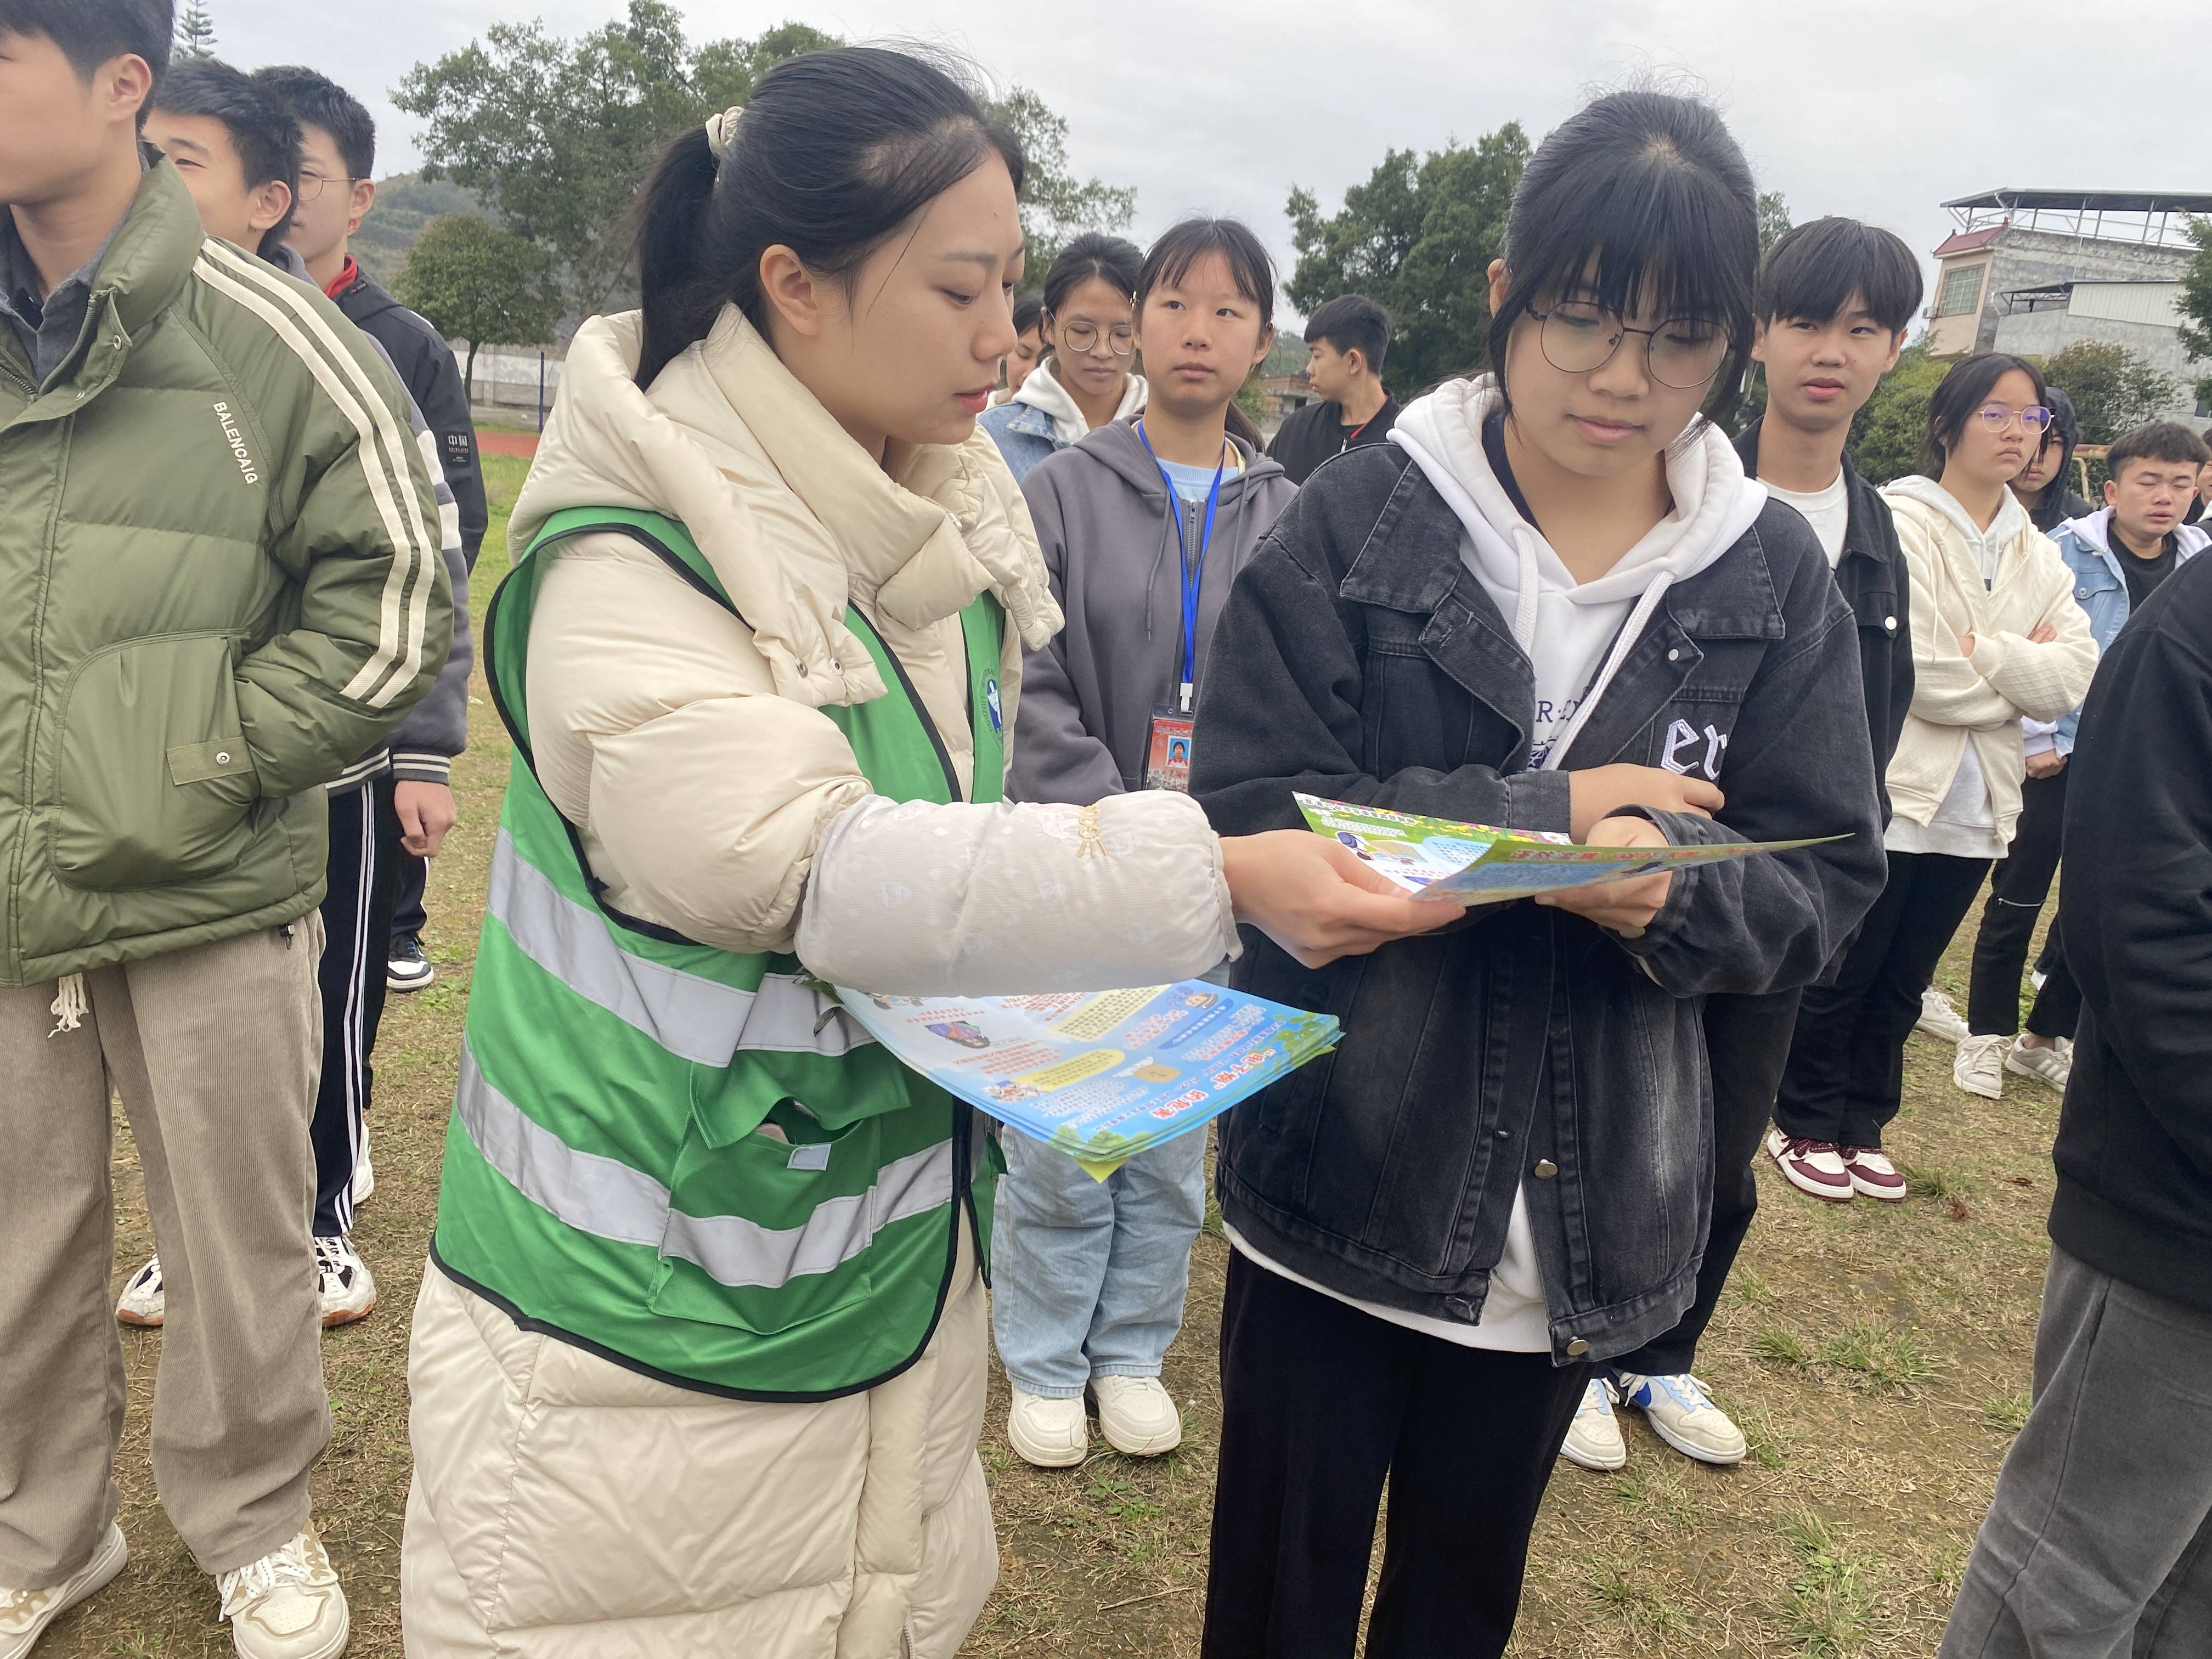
1878 1357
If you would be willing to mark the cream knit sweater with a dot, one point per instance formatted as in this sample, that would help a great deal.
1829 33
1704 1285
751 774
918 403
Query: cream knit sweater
1957 698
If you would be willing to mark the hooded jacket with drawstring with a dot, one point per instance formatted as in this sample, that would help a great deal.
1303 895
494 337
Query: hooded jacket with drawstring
1106 522
1042 419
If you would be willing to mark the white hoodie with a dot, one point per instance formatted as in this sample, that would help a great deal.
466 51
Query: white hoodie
1564 627
1042 390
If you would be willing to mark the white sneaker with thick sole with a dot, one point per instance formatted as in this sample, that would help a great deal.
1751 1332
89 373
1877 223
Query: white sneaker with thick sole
1683 1414
287 1604
1594 1439
2052 1066
1939 1018
343 1281
141 1303
364 1176
1980 1067
25 1614
1052 1434
1137 1415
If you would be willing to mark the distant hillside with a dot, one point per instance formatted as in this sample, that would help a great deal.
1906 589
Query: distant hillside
404 204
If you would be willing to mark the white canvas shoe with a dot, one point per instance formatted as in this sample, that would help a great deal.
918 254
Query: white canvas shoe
1594 1439
1052 1434
1939 1018
141 1303
1980 1067
25 1614
1137 1415
287 1604
1683 1414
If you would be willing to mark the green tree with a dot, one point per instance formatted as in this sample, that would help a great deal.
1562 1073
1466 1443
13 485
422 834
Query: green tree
554 135
1773 220
195 35
2196 304
1056 204
1890 429
485 286
1418 238
2112 387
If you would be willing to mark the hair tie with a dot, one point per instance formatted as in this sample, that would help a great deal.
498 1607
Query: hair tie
722 131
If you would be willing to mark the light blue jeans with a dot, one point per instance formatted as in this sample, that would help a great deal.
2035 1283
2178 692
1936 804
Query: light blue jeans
1088 1277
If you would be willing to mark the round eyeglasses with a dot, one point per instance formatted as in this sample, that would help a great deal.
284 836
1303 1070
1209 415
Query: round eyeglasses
1084 337
312 186
1578 339
2034 418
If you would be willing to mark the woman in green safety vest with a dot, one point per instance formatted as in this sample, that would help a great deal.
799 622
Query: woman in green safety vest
698 1365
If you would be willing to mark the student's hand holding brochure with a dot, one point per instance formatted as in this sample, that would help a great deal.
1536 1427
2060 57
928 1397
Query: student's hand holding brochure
1474 864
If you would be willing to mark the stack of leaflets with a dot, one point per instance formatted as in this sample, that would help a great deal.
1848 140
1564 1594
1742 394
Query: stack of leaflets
1103 1075
1474 864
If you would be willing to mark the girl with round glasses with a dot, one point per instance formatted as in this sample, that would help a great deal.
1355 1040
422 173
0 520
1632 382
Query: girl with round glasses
1085 379
1996 635
1552 602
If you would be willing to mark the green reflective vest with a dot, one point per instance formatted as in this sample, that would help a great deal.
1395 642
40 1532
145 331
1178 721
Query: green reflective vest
608 1178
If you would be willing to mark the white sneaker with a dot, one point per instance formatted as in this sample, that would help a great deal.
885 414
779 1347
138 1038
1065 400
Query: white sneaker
1137 1415
1594 1439
287 1604
1052 1434
1683 1415
1980 1067
343 1281
2052 1066
25 1614
2039 979
364 1175
141 1303
1939 1018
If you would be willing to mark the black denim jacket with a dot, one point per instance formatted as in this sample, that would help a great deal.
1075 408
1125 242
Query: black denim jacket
1358 658
1878 587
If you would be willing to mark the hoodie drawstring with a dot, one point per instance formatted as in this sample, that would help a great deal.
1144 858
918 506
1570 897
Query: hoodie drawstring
71 1004
1631 631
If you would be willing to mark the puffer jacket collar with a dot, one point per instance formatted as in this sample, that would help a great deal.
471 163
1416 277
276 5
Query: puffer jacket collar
140 276
793 515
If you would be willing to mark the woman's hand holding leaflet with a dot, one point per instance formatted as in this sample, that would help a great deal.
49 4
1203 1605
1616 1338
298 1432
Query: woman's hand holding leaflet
1625 906
1598 792
1314 898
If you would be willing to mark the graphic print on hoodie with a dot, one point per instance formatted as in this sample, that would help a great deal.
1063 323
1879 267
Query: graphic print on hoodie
1105 522
1576 634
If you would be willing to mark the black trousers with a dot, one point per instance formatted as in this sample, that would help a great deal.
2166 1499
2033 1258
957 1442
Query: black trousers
408 915
1320 1403
1746 1047
357 933
2017 889
1845 1078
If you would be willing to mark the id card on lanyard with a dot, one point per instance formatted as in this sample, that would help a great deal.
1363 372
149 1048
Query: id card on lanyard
1167 752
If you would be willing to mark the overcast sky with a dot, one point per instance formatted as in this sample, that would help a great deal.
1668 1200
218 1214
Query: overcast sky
1881 109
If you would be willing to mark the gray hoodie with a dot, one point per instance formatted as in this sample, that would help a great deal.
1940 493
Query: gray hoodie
1101 512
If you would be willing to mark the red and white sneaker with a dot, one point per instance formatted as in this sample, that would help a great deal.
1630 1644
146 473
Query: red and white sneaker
1817 1167
1873 1174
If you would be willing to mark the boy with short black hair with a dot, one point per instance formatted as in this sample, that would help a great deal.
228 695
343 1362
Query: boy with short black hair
338 160
1346 340
240 151
2118 555
1834 300
222 554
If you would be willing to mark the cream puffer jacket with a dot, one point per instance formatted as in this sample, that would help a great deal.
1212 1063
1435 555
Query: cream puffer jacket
561 1506
712 794
1958 699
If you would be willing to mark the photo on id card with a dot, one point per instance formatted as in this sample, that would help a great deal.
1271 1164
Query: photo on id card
1167 756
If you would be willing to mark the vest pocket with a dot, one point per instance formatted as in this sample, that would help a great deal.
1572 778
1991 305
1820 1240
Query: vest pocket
154 784
770 1230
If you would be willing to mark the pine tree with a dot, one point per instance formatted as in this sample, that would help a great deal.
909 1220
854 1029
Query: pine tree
195 33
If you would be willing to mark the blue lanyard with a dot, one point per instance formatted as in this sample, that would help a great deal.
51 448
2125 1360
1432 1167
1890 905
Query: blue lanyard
1193 573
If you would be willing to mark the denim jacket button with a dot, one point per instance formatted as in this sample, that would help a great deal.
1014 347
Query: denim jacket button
1674 656
1890 622
1546 1168
1577 1348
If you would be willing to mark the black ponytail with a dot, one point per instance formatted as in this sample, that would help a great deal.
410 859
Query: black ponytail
836 151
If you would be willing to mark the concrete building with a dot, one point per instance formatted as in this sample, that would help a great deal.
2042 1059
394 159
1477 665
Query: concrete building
2032 271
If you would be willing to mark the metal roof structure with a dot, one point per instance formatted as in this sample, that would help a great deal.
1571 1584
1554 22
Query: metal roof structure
2158 217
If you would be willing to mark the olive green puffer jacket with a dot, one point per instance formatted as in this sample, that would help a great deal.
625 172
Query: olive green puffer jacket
219 584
